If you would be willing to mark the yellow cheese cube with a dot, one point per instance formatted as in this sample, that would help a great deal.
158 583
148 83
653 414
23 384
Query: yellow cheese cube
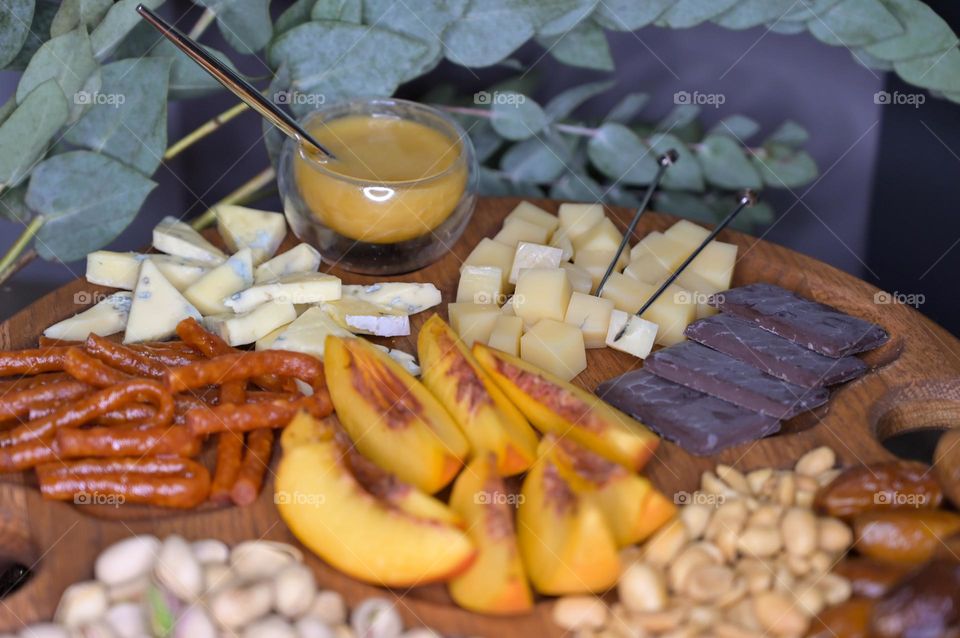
687 233
595 262
506 334
576 219
493 254
673 312
518 230
592 315
580 279
646 268
602 236
700 290
637 339
507 309
534 214
480 284
530 255
562 241
626 293
473 322
556 347
542 293
715 263
668 252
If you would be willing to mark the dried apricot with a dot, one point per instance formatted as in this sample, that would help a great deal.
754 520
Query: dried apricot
905 536
850 619
946 464
870 578
889 485
926 603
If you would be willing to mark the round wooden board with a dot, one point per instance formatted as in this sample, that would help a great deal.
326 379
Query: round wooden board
916 384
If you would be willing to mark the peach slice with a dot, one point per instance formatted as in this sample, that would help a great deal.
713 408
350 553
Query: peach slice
487 417
496 582
345 513
553 405
633 507
565 540
391 417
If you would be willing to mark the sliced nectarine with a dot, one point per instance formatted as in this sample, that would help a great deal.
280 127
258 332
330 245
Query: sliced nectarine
352 523
390 416
634 508
496 582
553 405
565 540
484 413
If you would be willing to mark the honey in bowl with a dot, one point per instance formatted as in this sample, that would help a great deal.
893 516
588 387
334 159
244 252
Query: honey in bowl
393 179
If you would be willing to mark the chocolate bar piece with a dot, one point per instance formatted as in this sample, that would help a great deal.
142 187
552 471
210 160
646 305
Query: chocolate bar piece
808 323
697 422
782 358
714 373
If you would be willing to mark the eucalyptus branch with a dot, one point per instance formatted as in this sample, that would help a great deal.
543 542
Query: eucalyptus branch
204 130
236 197
10 263
206 19
572 129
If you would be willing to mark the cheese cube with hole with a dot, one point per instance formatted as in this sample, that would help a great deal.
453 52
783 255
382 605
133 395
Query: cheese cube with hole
603 236
298 288
672 312
530 255
646 268
472 321
700 289
405 297
362 317
494 254
562 241
120 270
542 293
307 334
687 233
300 258
626 293
576 219
157 307
596 263
480 284
592 316
556 347
637 339
580 279
107 317
174 237
535 215
506 334
715 263
668 252
259 230
210 291
247 327
518 230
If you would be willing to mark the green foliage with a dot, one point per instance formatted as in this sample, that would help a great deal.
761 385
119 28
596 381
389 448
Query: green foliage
72 152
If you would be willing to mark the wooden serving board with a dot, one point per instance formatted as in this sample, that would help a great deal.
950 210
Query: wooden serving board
916 385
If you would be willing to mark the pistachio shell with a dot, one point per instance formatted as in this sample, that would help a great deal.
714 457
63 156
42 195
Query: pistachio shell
376 618
294 590
82 603
178 570
126 560
262 559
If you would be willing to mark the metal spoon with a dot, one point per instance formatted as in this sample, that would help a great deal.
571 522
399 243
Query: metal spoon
234 83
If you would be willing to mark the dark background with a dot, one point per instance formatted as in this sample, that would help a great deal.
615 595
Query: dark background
884 207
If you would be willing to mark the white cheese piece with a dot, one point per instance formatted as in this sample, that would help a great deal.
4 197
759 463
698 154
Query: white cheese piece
157 307
363 317
209 292
576 219
259 230
120 270
405 359
480 284
406 297
298 288
179 271
174 237
248 327
580 278
562 241
637 339
530 255
307 334
300 258
107 317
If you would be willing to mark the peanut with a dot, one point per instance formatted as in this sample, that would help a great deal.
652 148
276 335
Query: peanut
695 518
642 588
708 582
816 461
686 563
833 535
760 541
734 478
579 612
799 530
758 478
778 615
665 544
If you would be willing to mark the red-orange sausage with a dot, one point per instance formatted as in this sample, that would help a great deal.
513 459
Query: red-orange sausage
32 361
27 454
254 416
18 404
99 441
254 467
212 345
246 365
89 369
150 465
229 447
124 358
25 383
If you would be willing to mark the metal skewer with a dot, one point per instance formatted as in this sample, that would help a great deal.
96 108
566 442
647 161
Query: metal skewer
234 83
747 198
664 161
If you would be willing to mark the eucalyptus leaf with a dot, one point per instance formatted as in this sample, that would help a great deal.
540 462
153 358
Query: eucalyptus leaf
750 13
489 31
13 205
565 17
566 102
29 129
87 200
128 119
584 46
539 159
689 13
426 25
789 133
294 15
940 72
73 13
15 19
119 21
492 183
784 167
808 10
684 205
43 15
761 213
629 15
925 33
685 173
617 196
341 10
682 122
245 24
576 187
868 61
618 153
855 23
485 140
8 108
67 59
726 165
740 127
788 27
273 138
628 107
517 117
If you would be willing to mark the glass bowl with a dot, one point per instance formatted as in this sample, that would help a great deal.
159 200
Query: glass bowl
378 227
